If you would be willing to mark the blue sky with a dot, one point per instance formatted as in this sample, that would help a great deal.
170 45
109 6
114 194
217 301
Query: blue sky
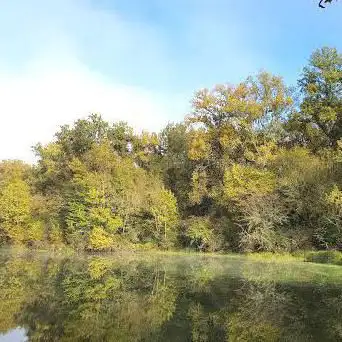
141 61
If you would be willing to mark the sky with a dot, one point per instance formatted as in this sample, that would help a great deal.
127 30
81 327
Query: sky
141 61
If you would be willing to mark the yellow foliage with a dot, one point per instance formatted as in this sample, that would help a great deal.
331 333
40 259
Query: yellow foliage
104 217
261 154
198 145
99 239
229 137
266 153
15 232
334 198
164 207
98 267
242 180
13 169
34 232
15 207
312 88
292 166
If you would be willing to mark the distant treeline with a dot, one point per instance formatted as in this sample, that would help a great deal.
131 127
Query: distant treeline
255 166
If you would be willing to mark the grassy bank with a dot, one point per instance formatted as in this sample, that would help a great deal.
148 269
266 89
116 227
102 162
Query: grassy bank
324 257
319 257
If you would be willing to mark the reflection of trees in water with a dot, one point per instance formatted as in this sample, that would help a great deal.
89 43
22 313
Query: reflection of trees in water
106 299
260 311
92 301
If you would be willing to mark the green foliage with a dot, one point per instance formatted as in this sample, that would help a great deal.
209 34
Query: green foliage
165 213
320 121
262 222
199 233
199 187
55 235
104 217
15 203
175 165
324 257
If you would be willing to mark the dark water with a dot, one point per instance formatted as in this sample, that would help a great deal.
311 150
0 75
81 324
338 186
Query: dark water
167 298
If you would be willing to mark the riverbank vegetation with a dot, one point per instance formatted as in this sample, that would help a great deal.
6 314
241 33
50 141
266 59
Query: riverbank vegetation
255 166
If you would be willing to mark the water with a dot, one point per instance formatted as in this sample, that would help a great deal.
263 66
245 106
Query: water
167 298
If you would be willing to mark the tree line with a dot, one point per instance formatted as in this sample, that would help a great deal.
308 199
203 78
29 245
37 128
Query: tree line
255 166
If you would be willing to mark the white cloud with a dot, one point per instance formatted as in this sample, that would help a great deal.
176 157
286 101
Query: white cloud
62 59
55 86
37 102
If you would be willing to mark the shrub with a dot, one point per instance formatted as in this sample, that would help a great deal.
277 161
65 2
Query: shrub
99 239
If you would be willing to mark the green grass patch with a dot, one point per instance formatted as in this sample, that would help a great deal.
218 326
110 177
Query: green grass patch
324 257
269 256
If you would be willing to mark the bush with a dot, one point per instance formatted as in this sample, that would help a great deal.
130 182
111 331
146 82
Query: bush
99 239
324 257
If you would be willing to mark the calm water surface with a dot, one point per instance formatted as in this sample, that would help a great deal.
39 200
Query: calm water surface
167 298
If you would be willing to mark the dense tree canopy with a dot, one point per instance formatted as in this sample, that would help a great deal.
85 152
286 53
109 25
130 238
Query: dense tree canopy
254 166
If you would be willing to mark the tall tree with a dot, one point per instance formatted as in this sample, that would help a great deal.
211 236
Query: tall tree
320 119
